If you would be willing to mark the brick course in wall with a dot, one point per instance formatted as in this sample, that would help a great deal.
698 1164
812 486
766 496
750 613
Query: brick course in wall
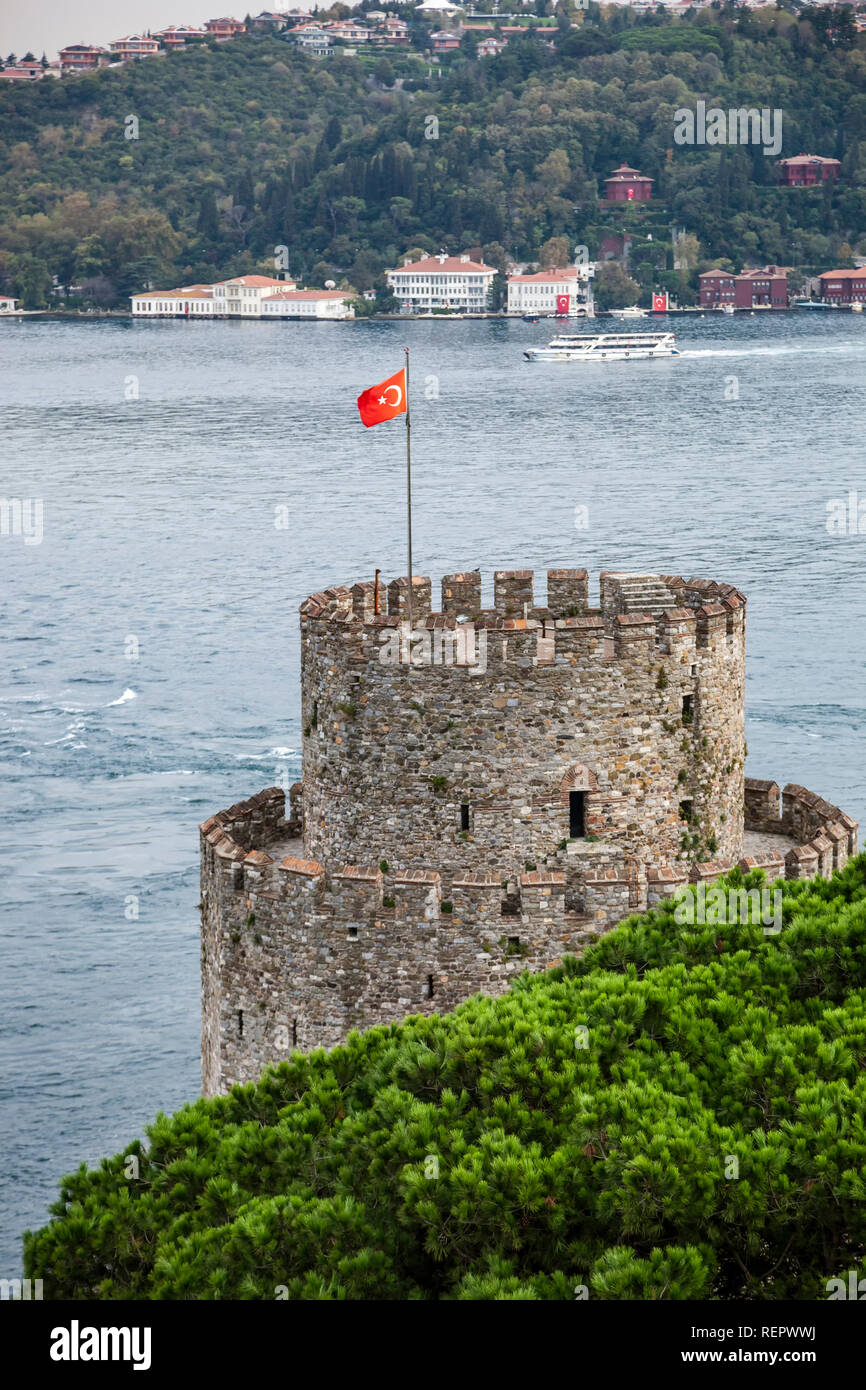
431 854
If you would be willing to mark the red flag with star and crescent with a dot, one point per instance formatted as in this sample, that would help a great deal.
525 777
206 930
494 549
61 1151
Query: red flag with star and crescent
384 401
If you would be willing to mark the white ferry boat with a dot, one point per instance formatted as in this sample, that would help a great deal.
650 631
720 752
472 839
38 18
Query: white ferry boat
604 347
632 312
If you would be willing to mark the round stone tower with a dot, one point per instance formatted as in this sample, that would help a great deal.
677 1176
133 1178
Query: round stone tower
493 738
480 795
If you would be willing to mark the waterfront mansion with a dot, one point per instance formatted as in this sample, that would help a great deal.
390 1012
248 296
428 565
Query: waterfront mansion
246 296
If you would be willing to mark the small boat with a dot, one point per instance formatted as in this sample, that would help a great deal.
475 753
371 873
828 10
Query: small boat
604 347
530 318
856 306
632 312
727 308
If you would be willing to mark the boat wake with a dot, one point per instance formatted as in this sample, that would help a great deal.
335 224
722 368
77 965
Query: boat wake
821 350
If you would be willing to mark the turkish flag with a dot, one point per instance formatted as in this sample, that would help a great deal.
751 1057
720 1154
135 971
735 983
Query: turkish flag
384 401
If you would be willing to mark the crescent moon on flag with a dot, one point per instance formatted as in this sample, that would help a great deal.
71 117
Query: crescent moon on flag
399 391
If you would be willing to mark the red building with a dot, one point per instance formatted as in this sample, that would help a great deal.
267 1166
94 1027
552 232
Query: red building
225 28
751 289
844 286
805 170
175 36
444 42
81 57
23 72
626 185
134 46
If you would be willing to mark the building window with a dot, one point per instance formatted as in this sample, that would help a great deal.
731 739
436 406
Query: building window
240 1023
576 815
352 934
429 989
464 815
238 876
686 808
688 709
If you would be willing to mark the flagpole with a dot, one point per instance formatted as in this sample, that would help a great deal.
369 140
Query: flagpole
409 492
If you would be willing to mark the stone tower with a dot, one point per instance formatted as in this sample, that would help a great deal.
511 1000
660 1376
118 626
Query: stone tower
479 796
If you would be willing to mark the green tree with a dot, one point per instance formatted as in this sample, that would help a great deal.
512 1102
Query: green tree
613 287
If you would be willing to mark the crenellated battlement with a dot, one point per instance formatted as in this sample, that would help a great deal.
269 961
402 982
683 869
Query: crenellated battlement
567 597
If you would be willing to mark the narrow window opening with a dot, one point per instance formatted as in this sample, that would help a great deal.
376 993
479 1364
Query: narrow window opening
294 1032
686 809
430 989
688 709
237 876
464 815
240 1023
352 933
694 670
577 815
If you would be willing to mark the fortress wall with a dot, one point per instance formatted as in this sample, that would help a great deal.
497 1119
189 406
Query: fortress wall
804 817
296 956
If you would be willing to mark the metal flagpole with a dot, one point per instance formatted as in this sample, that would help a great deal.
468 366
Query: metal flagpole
409 493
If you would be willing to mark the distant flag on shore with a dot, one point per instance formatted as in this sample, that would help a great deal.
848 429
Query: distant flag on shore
383 402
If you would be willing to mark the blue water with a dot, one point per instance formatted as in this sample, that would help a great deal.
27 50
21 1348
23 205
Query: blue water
159 526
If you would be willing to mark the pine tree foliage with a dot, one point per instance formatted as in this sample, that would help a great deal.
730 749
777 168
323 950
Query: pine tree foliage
680 1114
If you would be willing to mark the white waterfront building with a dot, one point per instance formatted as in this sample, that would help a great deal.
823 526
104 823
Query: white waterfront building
243 296
190 301
248 296
443 282
546 291
308 304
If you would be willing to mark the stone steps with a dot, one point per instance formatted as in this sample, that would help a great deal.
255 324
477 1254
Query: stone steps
641 594
645 594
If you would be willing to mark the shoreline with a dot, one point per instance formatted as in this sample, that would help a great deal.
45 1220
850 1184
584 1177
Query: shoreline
691 312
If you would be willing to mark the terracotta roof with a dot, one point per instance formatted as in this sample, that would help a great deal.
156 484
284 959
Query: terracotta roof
569 273
625 173
844 274
185 292
254 281
808 159
436 263
309 294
